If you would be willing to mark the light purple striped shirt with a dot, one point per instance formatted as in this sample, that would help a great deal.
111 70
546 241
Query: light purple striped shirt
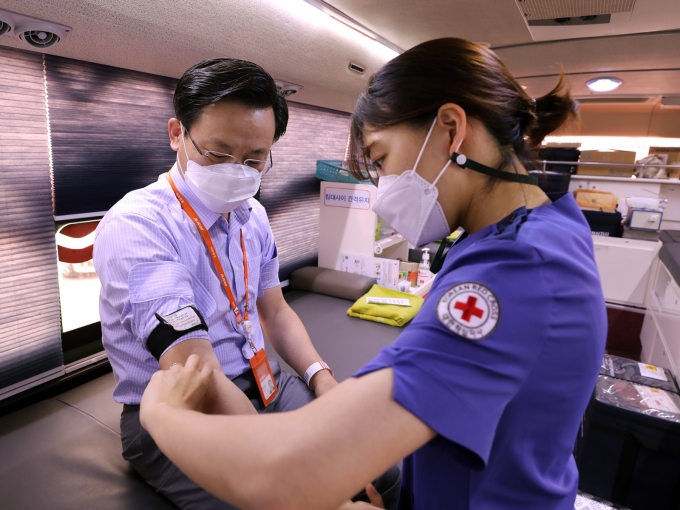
151 259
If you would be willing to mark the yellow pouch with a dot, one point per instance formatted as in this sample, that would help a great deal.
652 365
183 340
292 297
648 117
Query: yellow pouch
393 315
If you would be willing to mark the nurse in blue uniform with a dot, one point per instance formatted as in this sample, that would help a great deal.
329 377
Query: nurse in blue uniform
483 393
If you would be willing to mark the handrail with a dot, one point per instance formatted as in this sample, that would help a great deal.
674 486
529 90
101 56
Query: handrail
602 163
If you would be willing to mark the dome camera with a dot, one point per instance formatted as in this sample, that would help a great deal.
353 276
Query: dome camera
287 89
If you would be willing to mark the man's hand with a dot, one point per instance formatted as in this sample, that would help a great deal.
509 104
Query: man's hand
375 504
322 382
180 386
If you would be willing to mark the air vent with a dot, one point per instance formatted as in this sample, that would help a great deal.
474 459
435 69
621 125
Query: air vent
39 38
35 32
4 27
357 68
672 101
608 100
550 9
595 19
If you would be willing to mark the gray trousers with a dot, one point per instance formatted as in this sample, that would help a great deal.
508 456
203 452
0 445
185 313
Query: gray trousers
141 451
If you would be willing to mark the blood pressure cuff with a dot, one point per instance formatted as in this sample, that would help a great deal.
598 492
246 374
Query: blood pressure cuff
172 327
166 305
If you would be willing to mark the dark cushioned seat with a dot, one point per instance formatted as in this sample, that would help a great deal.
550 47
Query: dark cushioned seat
669 254
670 236
65 452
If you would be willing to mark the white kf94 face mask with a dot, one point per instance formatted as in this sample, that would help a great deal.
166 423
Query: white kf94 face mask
408 203
221 187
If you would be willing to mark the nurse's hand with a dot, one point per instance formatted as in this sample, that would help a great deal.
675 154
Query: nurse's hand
375 504
180 386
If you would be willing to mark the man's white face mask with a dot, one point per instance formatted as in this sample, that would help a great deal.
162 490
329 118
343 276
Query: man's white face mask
221 187
408 203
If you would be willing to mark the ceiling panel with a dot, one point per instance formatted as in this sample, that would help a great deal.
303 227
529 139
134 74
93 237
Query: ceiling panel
410 22
607 54
297 43
635 83
292 40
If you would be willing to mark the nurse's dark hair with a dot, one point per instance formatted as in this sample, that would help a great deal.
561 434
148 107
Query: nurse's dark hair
413 86
240 81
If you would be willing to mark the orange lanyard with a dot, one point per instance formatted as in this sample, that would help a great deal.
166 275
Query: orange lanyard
242 321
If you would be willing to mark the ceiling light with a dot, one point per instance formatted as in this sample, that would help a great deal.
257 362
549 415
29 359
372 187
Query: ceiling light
604 84
341 17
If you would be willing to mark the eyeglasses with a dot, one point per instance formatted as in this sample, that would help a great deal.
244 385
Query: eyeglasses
261 165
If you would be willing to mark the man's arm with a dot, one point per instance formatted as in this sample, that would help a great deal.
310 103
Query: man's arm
222 395
312 458
290 339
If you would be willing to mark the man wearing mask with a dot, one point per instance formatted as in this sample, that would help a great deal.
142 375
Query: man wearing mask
188 265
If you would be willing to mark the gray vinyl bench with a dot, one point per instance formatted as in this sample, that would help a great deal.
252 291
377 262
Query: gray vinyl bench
65 452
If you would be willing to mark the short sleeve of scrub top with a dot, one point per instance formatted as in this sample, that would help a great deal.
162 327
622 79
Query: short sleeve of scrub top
473 344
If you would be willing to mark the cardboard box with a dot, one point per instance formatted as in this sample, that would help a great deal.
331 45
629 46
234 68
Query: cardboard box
607 157
673 159
385 271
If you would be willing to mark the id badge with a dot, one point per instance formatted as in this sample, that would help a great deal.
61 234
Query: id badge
264 377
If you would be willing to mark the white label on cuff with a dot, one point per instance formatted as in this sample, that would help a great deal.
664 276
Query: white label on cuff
388 301
652 372
183 319
657 399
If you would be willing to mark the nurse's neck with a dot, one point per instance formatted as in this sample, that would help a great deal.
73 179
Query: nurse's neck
473 201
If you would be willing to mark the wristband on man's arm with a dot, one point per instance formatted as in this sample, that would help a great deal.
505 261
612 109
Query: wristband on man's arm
172 327
313 369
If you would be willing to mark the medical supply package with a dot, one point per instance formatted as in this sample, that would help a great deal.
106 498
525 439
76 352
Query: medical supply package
636 372
588 502
385 313
385 271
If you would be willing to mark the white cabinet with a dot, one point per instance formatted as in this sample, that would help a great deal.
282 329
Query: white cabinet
625 267
660 335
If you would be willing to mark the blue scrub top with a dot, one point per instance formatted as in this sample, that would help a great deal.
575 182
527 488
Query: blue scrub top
501 362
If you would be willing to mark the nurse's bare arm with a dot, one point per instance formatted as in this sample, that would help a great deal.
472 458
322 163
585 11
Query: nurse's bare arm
290 339
222 395
313 458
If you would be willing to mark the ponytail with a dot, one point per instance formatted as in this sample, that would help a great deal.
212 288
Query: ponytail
552 111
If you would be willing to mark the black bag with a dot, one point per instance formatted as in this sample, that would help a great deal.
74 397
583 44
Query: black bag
628 451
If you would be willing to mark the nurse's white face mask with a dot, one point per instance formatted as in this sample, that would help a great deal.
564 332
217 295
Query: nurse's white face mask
409 203
221 187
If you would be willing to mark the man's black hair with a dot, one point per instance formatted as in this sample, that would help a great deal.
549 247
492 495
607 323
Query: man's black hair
240 81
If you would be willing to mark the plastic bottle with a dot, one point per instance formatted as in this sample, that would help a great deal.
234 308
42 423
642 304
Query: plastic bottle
424 273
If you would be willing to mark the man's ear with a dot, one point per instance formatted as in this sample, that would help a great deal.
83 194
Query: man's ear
175 133
452 117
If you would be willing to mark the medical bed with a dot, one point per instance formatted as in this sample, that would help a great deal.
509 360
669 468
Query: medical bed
65 452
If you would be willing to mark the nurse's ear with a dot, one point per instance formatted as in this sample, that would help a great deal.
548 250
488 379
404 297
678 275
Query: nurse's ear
452 118
175 134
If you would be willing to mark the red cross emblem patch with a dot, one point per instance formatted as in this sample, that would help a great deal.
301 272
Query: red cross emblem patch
470 310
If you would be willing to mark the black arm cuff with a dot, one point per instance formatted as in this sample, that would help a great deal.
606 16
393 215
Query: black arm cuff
164 335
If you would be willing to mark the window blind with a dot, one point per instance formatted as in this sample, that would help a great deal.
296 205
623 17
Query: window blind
290 191
30 343
109 133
